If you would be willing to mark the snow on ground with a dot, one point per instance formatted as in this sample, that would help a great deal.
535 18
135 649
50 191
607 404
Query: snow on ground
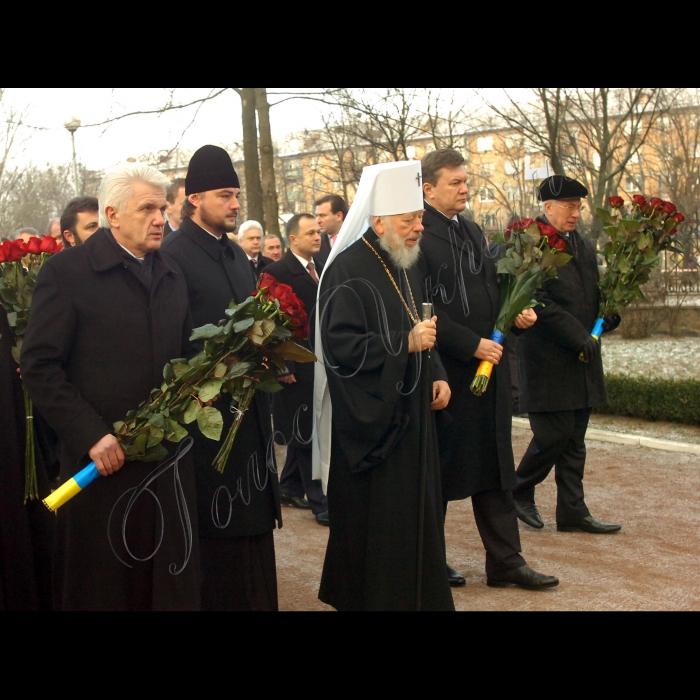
662 357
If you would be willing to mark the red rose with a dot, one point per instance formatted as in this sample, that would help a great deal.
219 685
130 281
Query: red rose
34 246
679 218
17 250
670 208
48 245
3 252
617 202
657 203
641 201
523 225
267 283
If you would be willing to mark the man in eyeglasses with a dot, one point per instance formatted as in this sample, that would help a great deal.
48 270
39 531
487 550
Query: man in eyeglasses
561 370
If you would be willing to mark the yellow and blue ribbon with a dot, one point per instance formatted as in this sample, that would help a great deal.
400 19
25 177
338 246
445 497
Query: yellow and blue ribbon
598 330
72 488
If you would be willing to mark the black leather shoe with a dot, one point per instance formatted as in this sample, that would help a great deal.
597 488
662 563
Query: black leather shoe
524 578
456 580
592 527
294 502
323 519
529 514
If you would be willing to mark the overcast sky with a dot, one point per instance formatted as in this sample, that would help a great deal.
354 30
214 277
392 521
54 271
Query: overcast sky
218 122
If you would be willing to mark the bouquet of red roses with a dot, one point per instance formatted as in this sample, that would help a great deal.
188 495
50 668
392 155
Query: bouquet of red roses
638 234
243 354
532 254
20 263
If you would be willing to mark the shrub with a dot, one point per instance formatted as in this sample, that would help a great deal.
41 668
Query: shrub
673 401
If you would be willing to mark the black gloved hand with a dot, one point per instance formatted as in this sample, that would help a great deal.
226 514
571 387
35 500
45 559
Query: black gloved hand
590 350
612 323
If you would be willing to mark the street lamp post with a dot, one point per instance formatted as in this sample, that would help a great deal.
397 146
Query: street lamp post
73 125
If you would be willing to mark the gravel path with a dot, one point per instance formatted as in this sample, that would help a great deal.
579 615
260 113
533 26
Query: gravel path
652 566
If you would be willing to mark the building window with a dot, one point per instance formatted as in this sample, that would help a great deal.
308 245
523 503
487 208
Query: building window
486 170
487 194
485 144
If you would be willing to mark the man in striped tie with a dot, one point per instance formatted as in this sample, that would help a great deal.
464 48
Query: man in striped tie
293 407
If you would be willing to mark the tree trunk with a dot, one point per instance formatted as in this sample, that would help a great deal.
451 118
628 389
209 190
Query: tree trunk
267 158
253 185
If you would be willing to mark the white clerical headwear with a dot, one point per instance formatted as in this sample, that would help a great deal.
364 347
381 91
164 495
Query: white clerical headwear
388 189
398 188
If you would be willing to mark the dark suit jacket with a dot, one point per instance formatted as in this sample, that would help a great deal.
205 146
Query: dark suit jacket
287 403
459 270
552 377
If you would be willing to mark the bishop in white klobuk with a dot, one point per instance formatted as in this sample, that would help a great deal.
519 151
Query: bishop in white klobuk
378 390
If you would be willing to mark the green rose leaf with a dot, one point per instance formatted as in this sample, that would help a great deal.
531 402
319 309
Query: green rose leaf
206 332
244 325
292 352
210 390
190 414
177 432
157 436
211 423
157 421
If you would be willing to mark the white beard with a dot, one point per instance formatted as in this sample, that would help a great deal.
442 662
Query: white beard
401 255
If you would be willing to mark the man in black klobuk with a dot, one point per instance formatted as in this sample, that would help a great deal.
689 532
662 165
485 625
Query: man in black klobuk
476 450
106 318
240 509
561 370
293 407
376 443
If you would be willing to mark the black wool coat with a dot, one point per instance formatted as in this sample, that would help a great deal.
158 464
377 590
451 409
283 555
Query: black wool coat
296 399
459 272
97 342
325 252
244 501
378 409
552 376
26 531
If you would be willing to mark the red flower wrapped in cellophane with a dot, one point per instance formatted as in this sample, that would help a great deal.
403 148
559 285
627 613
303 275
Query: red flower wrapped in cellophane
20 263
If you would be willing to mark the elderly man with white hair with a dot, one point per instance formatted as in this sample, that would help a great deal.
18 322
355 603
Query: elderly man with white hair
376 402
106 318
250 238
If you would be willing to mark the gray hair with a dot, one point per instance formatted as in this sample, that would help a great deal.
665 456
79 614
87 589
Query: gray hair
271 237
27 229
249 226
117 186
53 221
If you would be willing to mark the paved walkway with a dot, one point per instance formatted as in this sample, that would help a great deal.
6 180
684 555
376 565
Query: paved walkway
654 565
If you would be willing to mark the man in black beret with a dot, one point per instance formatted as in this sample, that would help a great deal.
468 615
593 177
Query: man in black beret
561 370
239 510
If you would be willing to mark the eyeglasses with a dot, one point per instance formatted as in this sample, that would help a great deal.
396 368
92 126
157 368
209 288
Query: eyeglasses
571 208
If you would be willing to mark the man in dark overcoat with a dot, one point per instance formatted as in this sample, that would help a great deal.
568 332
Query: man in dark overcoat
561 370
106 319
387 546
293 407
240 509
476 451
26 531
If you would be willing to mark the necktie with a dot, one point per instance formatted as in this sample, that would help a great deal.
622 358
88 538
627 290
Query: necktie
312 271
334 240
